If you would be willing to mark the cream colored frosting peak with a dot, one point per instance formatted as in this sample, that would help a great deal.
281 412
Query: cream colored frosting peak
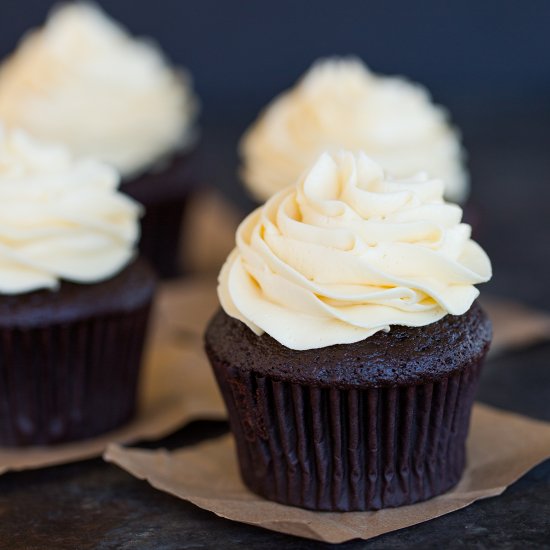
348 252
84 81
60 218
340 104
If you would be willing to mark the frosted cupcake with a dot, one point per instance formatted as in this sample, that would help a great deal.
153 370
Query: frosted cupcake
74 300
82 80
349 343
340 104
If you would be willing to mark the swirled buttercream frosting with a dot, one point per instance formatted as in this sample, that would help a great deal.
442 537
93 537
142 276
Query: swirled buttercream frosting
341 104
84 81
60 218
347 252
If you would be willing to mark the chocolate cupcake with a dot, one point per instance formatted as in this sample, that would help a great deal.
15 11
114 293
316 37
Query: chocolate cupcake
339 103
84 81
350 343
74 301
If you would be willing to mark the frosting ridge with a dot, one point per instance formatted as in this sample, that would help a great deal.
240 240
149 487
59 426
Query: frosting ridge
340 104
85 81
348 252
60 218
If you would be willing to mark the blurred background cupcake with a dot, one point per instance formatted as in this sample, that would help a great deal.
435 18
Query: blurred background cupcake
74 300
340 104
84 81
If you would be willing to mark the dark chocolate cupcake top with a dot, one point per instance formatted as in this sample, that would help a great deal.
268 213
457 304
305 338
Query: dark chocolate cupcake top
402 357
349 252
127 291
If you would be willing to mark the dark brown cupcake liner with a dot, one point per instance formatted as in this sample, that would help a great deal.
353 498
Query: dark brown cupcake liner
161 229
165 194
71 380
348 449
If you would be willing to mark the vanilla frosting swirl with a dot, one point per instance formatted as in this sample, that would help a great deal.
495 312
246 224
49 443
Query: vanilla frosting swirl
340 104
84 81
348 252
60 218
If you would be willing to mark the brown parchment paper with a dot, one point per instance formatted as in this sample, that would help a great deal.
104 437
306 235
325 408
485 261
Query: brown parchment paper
176 387
501 448
515 326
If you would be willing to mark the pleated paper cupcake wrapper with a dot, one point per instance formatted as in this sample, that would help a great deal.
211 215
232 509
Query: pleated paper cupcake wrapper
348 449
176 384
70 381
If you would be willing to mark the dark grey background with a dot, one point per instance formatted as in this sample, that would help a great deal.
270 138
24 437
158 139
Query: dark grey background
487 61
483 59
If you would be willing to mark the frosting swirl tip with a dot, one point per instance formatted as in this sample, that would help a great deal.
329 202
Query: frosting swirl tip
84 80
341 103
60 217
349 251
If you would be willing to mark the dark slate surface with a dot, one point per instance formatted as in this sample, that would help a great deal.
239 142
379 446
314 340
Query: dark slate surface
93 505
